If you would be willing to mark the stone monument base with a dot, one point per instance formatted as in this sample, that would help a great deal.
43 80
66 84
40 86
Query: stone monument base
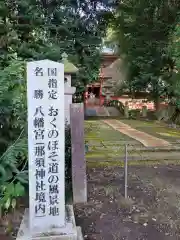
68 232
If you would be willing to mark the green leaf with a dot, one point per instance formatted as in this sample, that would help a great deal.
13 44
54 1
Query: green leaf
23 178
7 204
13 167
13 203
8 176
19 190
2 171
10 189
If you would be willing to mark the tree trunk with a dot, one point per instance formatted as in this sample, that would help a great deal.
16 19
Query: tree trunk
157 104
176 115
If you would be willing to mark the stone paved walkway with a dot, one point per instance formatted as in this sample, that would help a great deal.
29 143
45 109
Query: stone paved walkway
144 138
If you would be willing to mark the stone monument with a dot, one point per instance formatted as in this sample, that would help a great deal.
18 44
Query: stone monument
47 217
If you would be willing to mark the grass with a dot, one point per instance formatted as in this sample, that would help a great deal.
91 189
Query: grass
107 151
155 129
103 141
116 163
152 197
98 131
106 145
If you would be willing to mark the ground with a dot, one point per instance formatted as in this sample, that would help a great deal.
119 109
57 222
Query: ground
144 138
9 224
104 142
150 212
152 208
156 129
107 144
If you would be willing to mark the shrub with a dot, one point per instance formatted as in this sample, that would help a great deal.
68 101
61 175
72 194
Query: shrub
134 114
13 135
13 173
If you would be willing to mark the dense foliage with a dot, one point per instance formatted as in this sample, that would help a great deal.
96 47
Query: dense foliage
142 32
13 141
35 30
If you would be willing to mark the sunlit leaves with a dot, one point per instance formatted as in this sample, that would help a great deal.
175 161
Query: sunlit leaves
141 30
